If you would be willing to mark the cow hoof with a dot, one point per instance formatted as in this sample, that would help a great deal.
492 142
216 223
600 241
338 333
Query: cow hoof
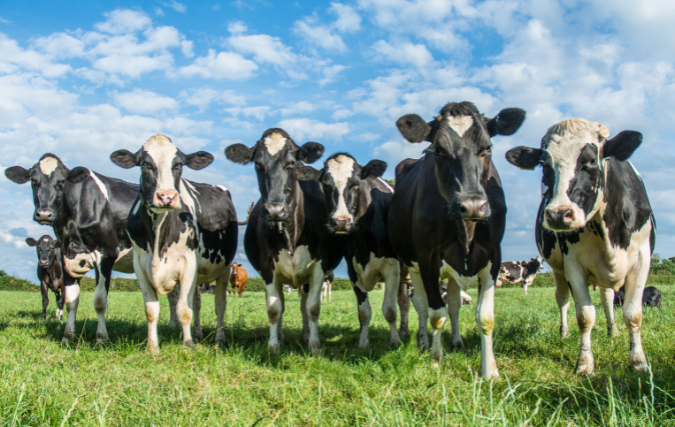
173 323
640 366
153 349
614 332
493 375
68 338
458 345
197 334
274 348
585 368
364 345
396 342
220 338
101 339
564 333
404 334
188 344
315 348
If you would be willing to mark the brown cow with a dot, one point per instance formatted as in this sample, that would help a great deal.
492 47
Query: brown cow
238 279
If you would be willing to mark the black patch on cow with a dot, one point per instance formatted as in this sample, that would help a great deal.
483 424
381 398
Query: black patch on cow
507 122
588 178
622 145
524 157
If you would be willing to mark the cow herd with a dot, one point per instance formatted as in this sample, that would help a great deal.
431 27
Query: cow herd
444 222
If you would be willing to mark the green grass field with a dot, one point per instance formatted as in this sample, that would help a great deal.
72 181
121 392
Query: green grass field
45 383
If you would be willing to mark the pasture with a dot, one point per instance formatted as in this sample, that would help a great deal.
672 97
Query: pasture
46 383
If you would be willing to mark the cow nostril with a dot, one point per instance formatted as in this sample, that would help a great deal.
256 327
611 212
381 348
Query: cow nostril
461 208
569 215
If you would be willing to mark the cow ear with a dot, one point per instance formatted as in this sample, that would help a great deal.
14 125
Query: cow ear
240 265
507 122
307 173
17 174
77 174
239 153
524 157
622 145
374 169
31 242
310 152
413 128
124 159
198 160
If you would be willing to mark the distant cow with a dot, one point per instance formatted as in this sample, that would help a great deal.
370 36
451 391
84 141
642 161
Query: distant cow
238 279
50 272
286 238
466 298
205 288
594 222
183 233
520 272
327 288
448 216
651 297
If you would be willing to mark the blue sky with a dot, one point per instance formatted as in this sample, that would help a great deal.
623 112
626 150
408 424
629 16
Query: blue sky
82 79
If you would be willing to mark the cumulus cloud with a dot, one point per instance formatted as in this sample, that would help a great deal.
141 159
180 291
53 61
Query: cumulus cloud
203 97
298 107
405 53
224 65
123 21
305 128
143 101
348 20
319 35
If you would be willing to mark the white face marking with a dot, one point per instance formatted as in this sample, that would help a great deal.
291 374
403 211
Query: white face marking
99 183
48 165
162 152
341 169
275 143
460 124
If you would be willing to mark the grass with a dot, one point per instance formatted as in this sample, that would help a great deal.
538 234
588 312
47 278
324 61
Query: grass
45 383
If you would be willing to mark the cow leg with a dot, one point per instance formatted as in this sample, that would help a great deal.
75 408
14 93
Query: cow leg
632 310
274 312
585 309
527 282
562 297
314 308
392 275
72 300
184 308
221 305
454 304
607 299
173 300
330 291
404 307
485 319
151 308
196 307
280 329
59 304
103 275
304 290
421 305
45 299
365 314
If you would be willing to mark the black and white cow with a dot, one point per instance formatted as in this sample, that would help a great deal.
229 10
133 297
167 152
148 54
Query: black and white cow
447 219
594 222
183 233
524 272
88 212
50 272
286 239
651 297
358 202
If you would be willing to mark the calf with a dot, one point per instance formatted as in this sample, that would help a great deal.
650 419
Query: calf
651 297
327 288
238 278
594 222
358 201
520 272
49 272
447 219
286 240
183 233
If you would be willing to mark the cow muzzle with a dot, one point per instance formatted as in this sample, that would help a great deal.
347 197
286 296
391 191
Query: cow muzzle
44 216
166 199
342 224
473 208
275 211
560 219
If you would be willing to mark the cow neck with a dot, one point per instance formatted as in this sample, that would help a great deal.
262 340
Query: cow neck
465 233
291 229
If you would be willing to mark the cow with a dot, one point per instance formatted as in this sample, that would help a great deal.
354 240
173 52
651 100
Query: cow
358 201
50 272
447 219
651 297
594 222
87 212
327 288
520 272
238 278
182 232
286 240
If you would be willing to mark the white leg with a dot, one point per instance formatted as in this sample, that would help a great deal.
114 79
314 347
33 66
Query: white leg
607 299
72 301
151 308
562 297
391 281
632 309
527 283
173 300
100 304
274 312
221 305
485 319
421 305
454 304
365 314
314 309
330 291
404 307
578 279
196 307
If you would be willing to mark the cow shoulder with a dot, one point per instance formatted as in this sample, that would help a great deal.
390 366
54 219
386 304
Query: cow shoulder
214 207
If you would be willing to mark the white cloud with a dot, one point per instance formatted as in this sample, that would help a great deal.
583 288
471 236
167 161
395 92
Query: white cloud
143 101
393 152
13 58
237 28
298 107
405 53
204 96
224 65
319 35
348 20
124 21
178 7
258 113
330 73
305 128
342 114
368 136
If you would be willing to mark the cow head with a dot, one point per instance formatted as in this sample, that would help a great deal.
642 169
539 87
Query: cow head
46 249
572 156
539 260
47 177
462 152
161 165
276 157
343 181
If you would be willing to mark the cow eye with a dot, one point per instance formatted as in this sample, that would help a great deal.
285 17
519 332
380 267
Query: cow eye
145 165
178 166
593 161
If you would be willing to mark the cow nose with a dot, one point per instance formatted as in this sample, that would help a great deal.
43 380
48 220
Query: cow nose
166 198
46 215
275 211
559 218
473 208
343 223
